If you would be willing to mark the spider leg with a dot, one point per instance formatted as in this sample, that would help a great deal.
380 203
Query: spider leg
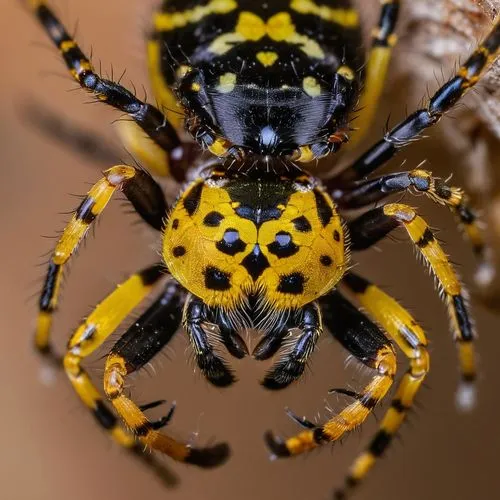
196 314
293 361
442 101
371 191
90 335
374 225
364 340
148 200
383 41
165 152
142 341
410 338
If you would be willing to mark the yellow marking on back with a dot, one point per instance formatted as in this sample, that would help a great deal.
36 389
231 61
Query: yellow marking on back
349 18
267 58
305 154
227 82
311 86
346 72
168 21
219 147
252 28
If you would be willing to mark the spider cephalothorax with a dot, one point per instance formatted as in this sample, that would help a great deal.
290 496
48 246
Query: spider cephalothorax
254 240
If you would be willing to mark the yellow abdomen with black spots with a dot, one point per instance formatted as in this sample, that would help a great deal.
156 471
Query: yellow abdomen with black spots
281 241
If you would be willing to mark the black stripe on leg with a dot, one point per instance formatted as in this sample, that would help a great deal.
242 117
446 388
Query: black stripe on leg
426 238
463 319
84 211
49 287
380 443
152 274
104 416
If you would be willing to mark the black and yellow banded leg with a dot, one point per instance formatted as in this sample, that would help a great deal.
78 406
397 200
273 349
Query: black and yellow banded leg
91 334
383 41
148 200
405 132
144 116
369 192
364 340
410 338
138 345
374 225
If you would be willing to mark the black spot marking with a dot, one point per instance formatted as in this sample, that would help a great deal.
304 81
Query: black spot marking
283 245
258 215
84 211
178 251
192 199
255 263
325 212
215 279
213 219
231 244
336 235
326 260
380 443
426 238
292 283
302 224
175 224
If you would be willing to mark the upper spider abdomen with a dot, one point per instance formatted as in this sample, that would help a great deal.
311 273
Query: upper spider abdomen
267 78
229 239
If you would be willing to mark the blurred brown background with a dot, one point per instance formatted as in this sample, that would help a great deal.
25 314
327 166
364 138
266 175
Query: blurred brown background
50 446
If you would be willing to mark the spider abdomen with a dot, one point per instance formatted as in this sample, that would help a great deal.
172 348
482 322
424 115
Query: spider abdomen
280 241
266 77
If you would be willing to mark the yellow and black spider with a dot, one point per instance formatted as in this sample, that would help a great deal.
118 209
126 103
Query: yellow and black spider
255 241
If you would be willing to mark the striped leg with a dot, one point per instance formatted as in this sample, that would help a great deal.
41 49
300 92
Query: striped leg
383 41
91 334
442 101
142 341
372 226
372 191
363 339
146 117
410 338
148 200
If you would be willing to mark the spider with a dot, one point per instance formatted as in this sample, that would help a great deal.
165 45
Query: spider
256 240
